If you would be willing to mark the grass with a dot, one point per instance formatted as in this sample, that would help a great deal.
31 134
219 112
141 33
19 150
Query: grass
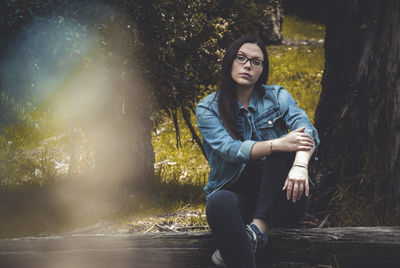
185 216
65 205
184 165
299 70
296 29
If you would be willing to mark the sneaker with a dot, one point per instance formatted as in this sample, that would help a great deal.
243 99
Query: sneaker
257 238
217 259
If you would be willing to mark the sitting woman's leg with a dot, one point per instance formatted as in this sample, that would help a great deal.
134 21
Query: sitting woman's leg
289 214
226 211
272 206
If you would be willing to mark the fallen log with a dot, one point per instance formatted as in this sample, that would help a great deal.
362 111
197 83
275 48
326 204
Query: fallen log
338 247
343 247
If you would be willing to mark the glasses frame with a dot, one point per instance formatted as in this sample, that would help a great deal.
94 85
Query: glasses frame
248 59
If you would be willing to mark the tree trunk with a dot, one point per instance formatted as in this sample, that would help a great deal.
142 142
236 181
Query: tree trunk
124 155
358 115
270 29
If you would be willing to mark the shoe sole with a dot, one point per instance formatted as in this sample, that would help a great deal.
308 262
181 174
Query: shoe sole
217 262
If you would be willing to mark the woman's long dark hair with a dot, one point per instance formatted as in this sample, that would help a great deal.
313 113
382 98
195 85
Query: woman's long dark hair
227 99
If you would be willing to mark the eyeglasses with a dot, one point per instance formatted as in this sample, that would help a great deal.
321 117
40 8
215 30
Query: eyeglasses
242 59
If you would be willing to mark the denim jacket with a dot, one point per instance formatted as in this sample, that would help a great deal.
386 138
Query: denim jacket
267 117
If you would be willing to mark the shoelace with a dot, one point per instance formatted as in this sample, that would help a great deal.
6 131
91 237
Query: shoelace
254 236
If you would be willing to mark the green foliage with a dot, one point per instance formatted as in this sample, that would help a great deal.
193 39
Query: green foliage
180 48
184 43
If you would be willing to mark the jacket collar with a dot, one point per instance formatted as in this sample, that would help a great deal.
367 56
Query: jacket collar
252 103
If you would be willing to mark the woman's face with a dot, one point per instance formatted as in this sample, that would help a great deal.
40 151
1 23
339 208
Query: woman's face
245 75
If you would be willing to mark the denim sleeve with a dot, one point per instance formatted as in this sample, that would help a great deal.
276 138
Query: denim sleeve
294 116
216 135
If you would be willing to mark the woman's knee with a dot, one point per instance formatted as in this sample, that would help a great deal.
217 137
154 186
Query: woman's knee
221 204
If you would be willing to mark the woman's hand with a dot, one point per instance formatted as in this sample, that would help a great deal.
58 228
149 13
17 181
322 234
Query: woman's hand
296 140
296 183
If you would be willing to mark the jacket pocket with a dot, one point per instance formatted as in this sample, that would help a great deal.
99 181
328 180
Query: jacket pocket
270 125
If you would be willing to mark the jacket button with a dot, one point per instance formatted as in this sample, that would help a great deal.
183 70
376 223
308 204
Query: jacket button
269 122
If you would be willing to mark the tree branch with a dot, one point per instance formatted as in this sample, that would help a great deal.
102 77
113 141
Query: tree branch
177 134
186 117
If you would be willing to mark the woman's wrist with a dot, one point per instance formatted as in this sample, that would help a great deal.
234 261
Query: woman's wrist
270 146
271 149
300 165
275 145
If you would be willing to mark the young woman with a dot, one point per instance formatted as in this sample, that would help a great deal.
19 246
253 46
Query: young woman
258 169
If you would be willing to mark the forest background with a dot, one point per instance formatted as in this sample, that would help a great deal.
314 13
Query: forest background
80 96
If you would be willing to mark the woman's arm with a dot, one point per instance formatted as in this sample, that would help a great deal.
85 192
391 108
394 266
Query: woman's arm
296 140
293 116
304 146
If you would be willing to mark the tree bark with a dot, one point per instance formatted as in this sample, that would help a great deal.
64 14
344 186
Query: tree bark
358 115
270 29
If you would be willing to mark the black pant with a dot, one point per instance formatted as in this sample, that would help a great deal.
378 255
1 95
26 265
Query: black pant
257 194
